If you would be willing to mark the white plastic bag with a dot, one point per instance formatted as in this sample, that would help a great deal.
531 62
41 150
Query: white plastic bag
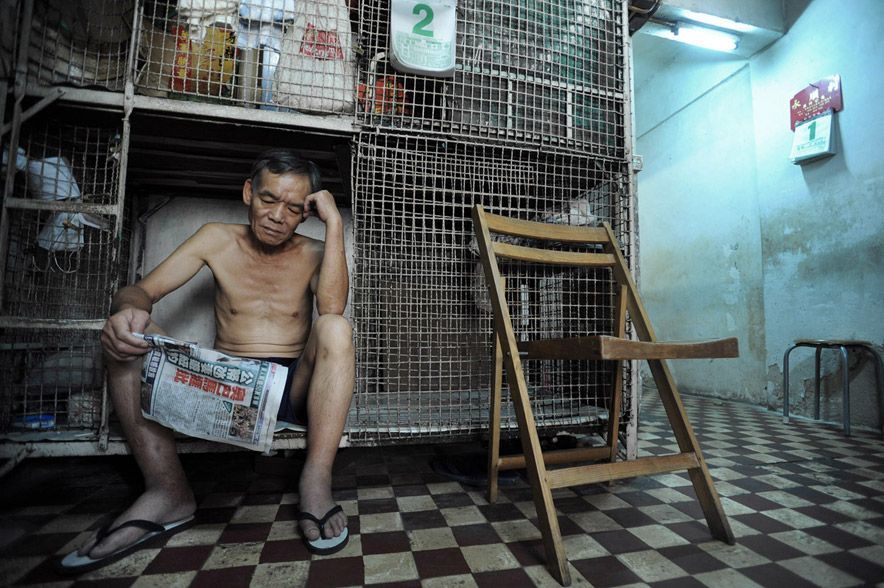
316 66
51 178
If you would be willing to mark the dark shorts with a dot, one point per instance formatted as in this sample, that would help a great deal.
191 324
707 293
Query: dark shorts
286 411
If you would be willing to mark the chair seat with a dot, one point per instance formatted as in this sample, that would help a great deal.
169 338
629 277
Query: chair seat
606 347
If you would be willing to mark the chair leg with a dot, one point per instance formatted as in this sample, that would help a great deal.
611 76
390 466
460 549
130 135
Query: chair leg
556 561
614 409
494 423
687 442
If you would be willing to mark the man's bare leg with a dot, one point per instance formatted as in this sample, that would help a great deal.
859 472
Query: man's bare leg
324 381
167 495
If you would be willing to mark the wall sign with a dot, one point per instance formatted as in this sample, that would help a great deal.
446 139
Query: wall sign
816 99
422 36
814 138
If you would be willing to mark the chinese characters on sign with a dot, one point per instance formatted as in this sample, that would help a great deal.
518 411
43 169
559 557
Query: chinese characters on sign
816 99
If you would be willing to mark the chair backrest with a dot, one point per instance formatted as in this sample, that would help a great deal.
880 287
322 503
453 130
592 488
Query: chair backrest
606 254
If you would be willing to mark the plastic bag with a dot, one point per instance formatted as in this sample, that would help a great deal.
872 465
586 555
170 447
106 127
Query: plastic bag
51 178
316 68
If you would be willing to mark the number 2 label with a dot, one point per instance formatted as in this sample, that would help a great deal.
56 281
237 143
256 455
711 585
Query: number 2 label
420 27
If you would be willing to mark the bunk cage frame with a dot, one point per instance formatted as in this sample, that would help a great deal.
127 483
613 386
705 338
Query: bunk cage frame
533 135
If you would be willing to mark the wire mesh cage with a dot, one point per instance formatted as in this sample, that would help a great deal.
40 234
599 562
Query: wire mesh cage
52 380
420 308
535 71
272 54
84 43
61 259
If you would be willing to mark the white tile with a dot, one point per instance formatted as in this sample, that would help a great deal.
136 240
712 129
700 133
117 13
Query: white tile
804 542
292 573
819 572
488 558
651 566
389 567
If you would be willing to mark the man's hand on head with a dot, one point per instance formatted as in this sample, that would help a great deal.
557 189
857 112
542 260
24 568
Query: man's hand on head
117 338
321 205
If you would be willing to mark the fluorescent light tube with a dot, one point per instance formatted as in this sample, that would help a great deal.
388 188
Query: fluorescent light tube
694 35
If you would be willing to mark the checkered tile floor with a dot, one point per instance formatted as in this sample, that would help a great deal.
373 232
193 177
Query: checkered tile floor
806 504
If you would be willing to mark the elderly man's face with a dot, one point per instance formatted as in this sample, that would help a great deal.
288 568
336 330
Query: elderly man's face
276 205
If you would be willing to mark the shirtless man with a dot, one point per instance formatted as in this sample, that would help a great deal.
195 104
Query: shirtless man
266 278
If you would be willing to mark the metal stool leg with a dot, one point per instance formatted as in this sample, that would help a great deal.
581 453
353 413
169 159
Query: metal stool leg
845 383
816 382
786 384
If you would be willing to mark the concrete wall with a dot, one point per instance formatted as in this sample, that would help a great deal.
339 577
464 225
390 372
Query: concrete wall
735 239
187 313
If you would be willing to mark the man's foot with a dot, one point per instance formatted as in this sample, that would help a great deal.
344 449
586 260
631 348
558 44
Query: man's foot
158 506
316 500
319 545
74 563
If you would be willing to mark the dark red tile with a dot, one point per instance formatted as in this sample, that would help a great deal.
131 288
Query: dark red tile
411 490
238 577
453 500
605 571
284 550
245 532
756 502
769 547
619 541
761 523
572 505
692 559
855 566
440 562
495 513
630 517
566 526
837 537
679 583
331 573
423 519
378 505
391 542
481 534
775 575
510 578
639 498
287 512
822 514
693 531
179 559
528 553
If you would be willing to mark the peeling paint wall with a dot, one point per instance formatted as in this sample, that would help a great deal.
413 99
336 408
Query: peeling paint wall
822 223
735 239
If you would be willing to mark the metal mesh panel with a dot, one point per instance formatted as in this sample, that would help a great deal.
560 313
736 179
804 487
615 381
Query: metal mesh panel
57 267
51 380
60 254
69 162
534 71
299 55
422 317
83 43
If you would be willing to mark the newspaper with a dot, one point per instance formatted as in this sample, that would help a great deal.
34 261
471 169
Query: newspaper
206 394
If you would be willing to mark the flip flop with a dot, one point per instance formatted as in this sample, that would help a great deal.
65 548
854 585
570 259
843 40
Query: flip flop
323 546
77 564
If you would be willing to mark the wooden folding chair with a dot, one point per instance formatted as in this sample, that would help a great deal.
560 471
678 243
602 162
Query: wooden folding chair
509 354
